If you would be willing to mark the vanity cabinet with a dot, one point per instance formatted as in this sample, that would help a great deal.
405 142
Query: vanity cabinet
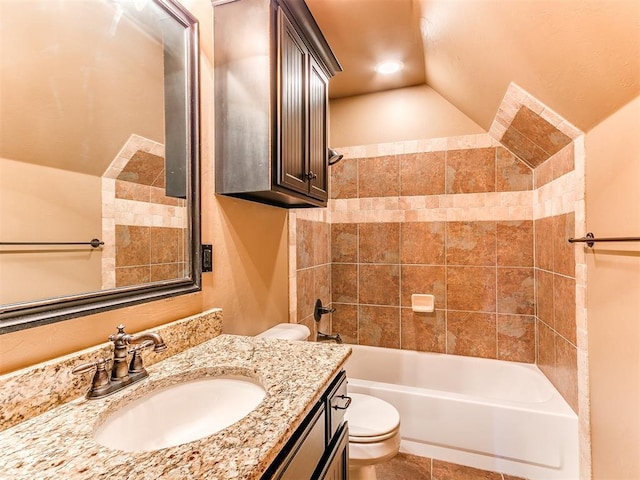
272 70
319 448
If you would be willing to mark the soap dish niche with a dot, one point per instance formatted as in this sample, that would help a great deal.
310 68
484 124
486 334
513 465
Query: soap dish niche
422 302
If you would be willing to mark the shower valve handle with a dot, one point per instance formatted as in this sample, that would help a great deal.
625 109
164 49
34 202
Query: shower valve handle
319 310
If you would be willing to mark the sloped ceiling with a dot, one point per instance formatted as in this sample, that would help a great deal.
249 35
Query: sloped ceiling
579 57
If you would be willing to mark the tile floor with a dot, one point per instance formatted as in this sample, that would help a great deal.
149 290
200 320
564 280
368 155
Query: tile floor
410 467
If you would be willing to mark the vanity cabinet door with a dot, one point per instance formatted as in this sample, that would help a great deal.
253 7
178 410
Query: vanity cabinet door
319 448
336 465
308 450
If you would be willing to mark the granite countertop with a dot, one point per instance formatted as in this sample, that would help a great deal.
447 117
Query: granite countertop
59 443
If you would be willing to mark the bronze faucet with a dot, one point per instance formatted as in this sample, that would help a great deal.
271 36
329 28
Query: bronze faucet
123 372
121 342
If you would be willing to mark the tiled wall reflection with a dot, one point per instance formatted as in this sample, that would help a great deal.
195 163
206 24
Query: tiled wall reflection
147 253
144 230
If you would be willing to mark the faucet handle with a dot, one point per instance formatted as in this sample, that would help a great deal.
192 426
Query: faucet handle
319 310
87 367
141 346
100 380
135 366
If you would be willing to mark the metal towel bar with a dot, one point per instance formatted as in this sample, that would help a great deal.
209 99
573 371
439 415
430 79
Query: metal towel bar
590 239
95 243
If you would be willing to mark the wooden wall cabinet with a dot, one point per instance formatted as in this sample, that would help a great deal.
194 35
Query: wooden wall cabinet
272 70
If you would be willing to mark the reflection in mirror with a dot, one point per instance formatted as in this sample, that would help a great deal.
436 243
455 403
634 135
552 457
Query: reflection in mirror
98 140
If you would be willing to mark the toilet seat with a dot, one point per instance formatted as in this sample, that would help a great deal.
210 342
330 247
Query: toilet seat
371 419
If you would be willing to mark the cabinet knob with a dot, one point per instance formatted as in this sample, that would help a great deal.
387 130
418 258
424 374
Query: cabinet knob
311 176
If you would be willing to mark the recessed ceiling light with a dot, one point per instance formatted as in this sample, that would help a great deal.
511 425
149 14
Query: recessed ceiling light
387 68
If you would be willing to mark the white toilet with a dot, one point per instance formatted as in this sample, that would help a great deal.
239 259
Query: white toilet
286 331
374 434
374 425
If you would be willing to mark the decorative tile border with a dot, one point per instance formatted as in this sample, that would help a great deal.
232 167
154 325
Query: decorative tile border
434 208
463 142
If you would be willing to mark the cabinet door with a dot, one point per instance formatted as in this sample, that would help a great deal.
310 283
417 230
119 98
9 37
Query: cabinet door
336 465
318 107
291 161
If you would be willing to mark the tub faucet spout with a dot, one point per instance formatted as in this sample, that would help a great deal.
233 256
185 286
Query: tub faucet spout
325 336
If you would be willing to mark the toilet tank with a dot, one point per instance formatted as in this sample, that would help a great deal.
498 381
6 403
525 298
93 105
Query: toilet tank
287 331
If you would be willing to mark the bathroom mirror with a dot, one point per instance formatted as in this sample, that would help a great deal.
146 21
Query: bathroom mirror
99 155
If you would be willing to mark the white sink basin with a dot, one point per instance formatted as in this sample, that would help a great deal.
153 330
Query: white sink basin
180 413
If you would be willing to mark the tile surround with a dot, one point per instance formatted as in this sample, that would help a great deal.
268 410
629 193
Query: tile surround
504 232
482 241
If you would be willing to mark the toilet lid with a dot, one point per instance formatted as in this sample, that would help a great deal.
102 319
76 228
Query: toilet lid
371 419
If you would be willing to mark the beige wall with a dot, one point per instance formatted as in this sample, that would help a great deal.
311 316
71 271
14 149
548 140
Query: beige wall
396 115
42 204
62 76
251 263
250 260
613 294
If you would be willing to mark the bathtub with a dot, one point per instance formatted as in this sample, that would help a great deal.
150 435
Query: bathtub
489 414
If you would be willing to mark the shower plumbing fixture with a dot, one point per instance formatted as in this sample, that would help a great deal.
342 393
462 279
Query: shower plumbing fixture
325 336
334 157
318 311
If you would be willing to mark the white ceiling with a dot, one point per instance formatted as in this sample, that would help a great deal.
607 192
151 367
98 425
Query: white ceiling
579 57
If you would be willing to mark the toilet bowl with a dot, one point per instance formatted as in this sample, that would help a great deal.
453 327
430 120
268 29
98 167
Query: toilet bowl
374 425
374 434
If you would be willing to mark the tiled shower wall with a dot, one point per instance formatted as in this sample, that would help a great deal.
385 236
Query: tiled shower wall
485 232
478 262
555 149
312 272
455 223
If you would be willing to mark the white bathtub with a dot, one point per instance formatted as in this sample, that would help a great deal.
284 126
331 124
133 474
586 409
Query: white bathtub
489 414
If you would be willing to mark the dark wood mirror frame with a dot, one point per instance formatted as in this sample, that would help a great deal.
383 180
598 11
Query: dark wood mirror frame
20 316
